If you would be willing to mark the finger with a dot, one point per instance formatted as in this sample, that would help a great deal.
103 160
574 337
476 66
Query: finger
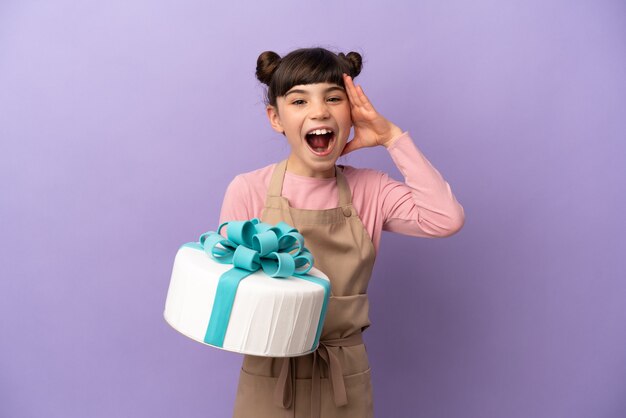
358 98
363 99
350 88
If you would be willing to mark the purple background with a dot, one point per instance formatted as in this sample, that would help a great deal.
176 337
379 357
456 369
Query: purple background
121 124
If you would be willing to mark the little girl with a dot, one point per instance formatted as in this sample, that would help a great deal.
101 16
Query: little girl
341 212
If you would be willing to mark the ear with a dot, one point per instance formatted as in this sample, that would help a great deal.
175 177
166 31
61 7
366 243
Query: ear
274 118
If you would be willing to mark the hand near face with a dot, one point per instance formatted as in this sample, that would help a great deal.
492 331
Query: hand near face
370 127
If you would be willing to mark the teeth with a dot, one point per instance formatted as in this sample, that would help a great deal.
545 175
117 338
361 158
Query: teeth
321 131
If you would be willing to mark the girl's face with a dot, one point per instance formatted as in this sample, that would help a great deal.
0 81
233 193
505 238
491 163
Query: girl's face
316 120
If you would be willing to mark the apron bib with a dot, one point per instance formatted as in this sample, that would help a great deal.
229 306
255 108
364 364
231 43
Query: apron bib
334 381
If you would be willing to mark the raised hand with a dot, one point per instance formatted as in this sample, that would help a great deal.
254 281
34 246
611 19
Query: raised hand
370 127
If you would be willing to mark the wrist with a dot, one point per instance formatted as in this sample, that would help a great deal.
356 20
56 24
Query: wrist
394 133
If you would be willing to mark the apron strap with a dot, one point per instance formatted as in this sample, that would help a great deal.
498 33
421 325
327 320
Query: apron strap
276 183
322 357
345 196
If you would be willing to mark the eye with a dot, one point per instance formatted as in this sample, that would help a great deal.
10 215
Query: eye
298 102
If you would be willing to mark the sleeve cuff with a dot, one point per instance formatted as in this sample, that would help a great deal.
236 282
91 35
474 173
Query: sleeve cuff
397 139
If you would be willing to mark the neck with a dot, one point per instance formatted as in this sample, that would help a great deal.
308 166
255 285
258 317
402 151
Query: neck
294 166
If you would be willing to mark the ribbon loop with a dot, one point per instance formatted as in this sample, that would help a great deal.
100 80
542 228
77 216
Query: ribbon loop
241 232
265 242
281 266
246 258
279 250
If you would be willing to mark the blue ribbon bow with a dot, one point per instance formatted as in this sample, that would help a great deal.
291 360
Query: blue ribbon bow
252 245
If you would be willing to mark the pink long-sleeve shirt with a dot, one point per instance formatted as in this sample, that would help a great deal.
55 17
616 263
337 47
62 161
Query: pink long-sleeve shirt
422 206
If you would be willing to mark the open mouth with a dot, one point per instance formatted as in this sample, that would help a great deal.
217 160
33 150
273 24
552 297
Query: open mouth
321 141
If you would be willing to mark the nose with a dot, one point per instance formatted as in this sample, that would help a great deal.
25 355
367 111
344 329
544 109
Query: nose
319 110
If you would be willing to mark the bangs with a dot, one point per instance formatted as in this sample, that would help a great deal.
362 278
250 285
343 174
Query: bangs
308 66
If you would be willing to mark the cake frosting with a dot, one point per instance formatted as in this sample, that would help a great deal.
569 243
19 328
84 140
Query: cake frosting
270 316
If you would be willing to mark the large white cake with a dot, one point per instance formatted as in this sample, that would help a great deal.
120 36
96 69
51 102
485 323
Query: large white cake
277 317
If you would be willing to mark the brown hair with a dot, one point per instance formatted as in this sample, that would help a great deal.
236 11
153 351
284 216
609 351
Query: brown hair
304 66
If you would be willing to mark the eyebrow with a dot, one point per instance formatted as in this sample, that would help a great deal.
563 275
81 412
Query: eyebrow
300 91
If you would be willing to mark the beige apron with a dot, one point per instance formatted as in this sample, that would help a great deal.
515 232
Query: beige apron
334 381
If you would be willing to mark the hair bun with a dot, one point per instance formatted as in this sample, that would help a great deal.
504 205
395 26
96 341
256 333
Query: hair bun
355 62
266 65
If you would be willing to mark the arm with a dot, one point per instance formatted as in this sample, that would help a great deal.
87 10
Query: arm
424 205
